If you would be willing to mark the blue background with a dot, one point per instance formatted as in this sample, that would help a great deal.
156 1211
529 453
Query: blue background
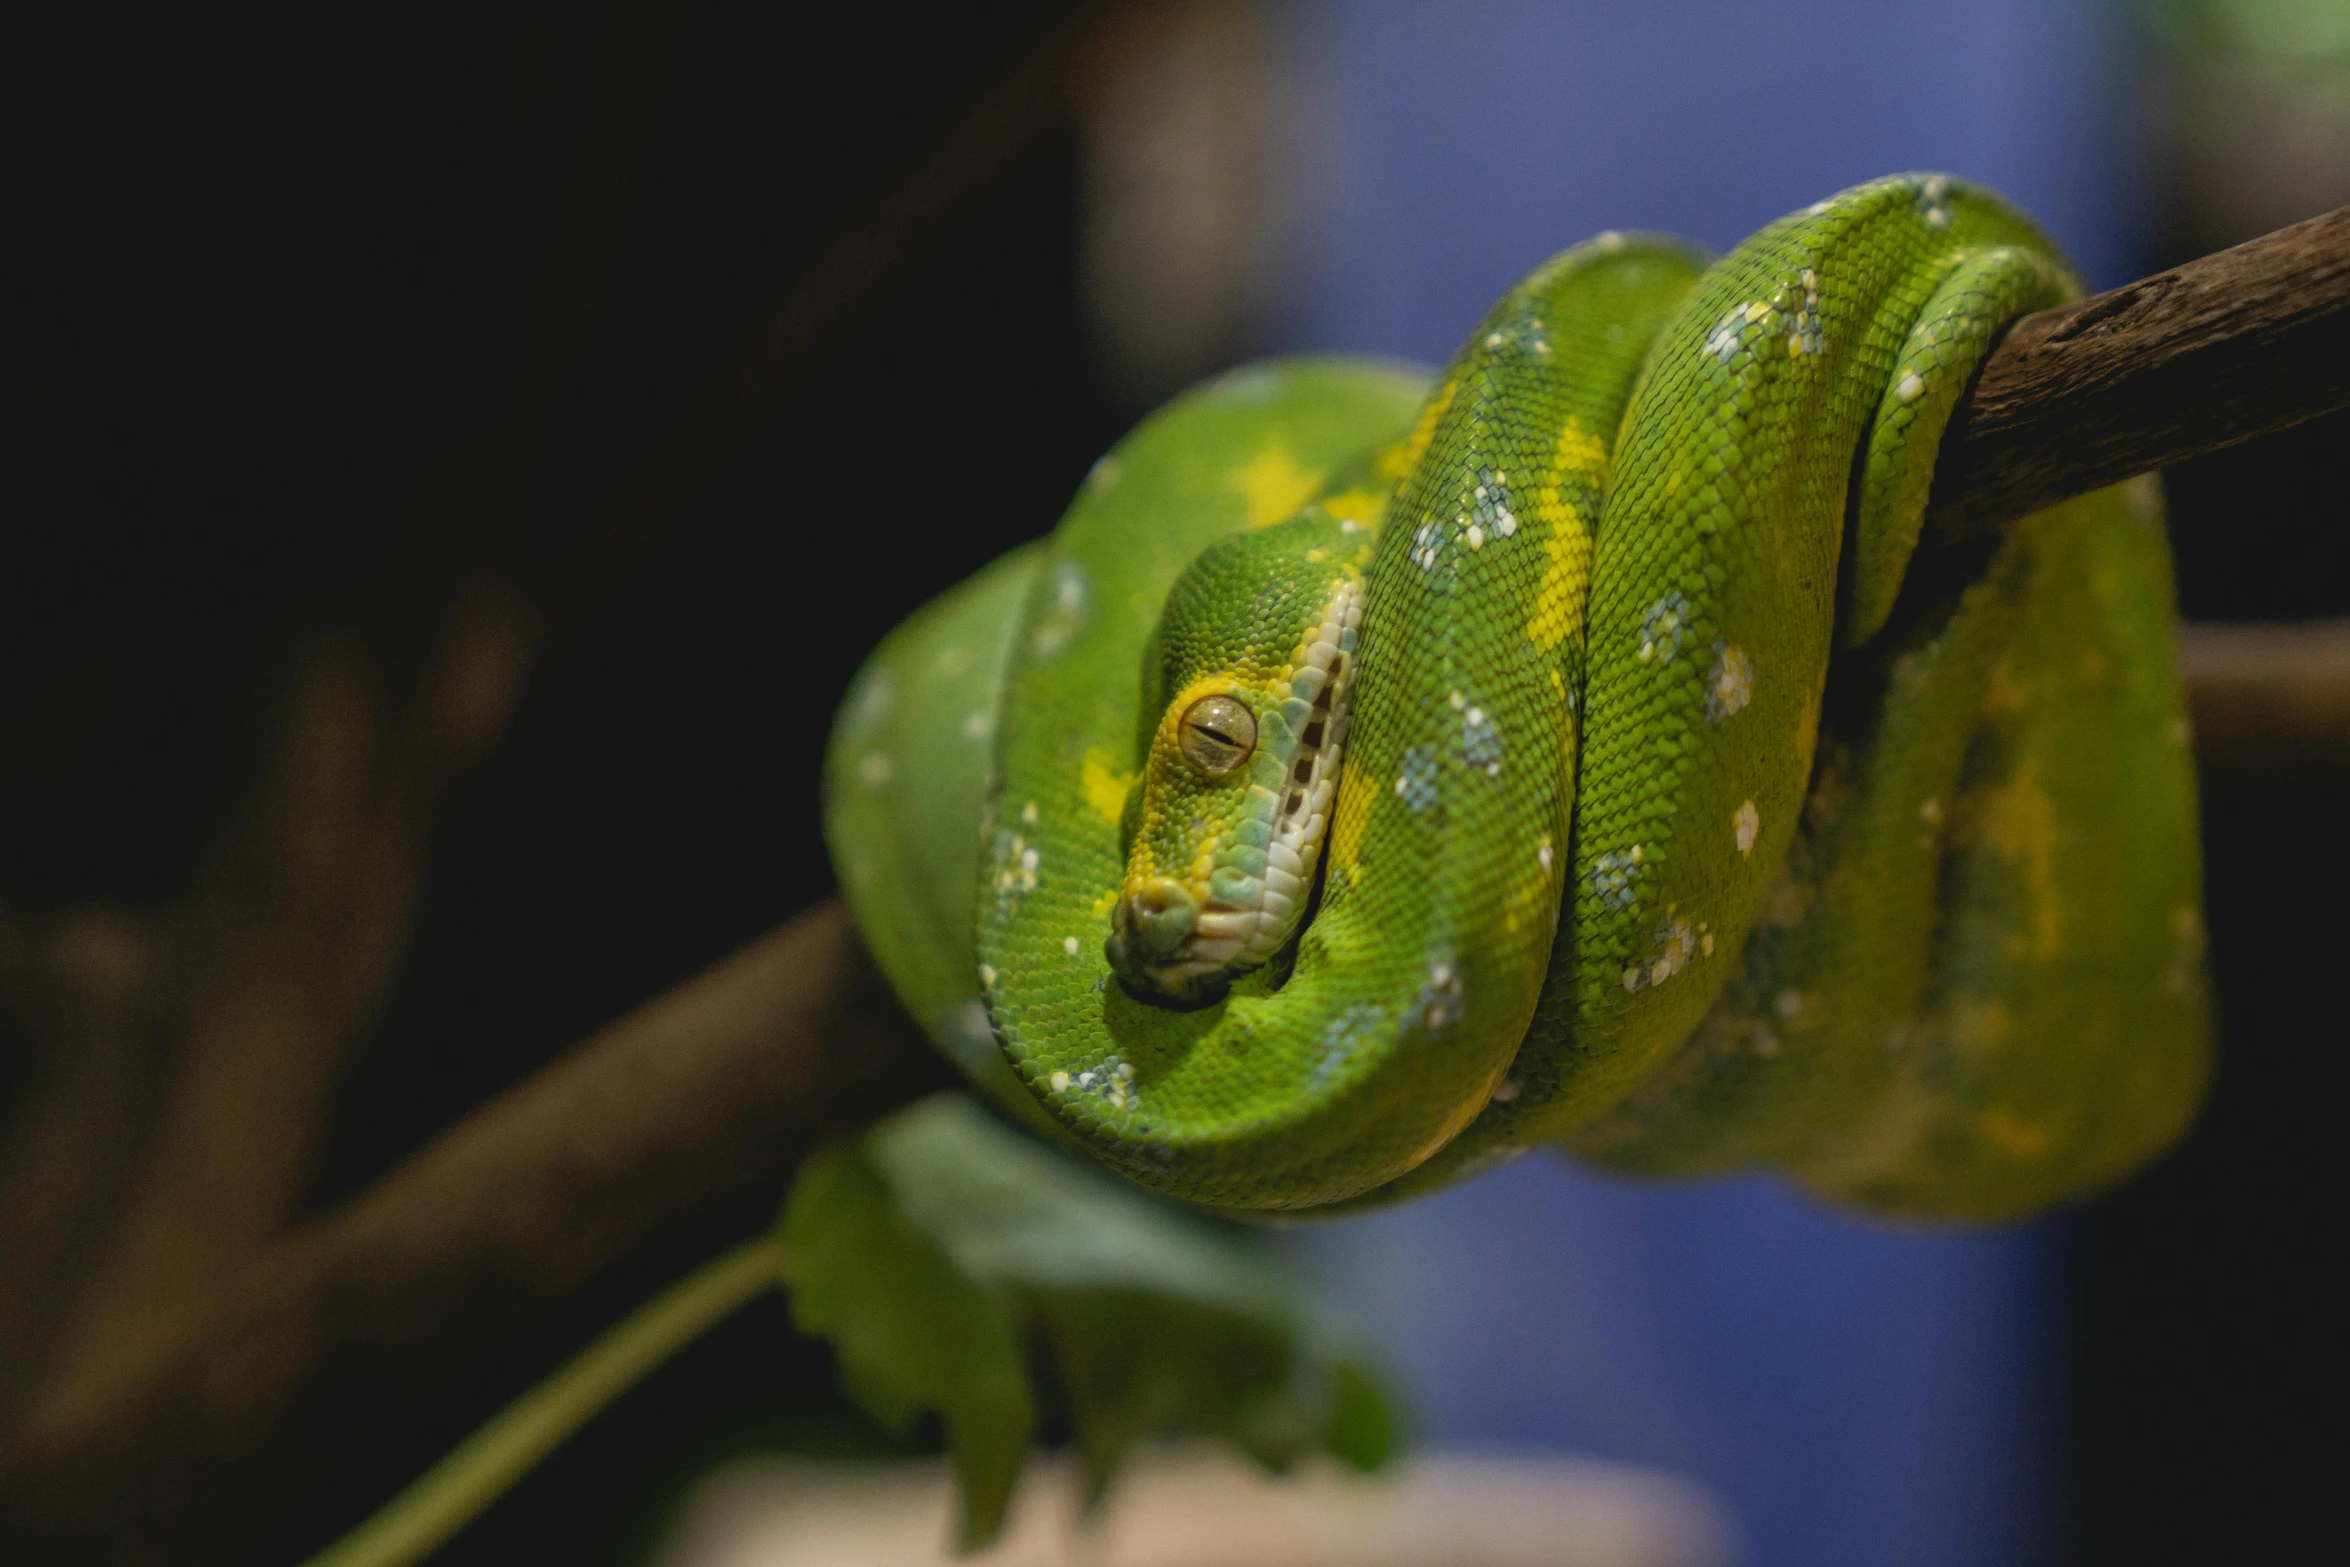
1856 1393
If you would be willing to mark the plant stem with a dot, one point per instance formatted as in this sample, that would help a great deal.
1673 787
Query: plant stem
479 1470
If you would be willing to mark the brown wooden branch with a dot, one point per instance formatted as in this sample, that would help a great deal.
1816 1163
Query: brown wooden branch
2229 347
720 1087
711 1092
2271 703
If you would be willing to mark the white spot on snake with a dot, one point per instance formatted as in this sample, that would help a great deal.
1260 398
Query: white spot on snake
1438 1005
1613 876
1505 1091
874 769
1069 945
1064 613
1415 782
1937 187
1910 388
1028 813
1727 335
1254 384
1789 1004
1662 628
1493 340
1458 701
1481 741
978 726
1339 1039
1113 1081
1731 685
1802 316
1609 239
987 975
1015 872
874 702
1542 856
1677 944
1424 544
1489 515
1746 823
1102 475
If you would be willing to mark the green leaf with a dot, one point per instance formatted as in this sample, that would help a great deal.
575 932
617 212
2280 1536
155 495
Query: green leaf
1363 1429
912 1330
932 1248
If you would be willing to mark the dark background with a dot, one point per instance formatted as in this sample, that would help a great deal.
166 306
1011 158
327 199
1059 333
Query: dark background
275 325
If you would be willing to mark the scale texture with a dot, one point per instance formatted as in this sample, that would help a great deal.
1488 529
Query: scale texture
1683 818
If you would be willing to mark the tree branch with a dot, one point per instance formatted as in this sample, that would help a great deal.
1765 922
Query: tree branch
2232 346
711 1092
2271 703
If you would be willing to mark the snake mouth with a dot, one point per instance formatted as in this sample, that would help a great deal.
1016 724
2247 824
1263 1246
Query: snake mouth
1183 939
1155 939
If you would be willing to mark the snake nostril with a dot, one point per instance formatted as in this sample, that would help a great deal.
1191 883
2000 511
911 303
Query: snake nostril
1156 917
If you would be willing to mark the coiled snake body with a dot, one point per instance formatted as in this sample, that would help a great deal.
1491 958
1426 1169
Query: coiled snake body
1371 778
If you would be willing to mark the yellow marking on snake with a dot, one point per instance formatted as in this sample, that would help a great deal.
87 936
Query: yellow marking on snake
2011 1134
1356 790
1558 604
1579 452
2018 819
1364 508
1103 786
1274 485
1397 461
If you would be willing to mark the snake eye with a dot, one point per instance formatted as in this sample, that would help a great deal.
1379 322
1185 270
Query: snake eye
1217 734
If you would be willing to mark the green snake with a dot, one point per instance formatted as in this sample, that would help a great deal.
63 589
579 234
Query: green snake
1375 775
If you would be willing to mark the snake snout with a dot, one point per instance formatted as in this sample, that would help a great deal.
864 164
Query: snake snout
1156 918
1148 932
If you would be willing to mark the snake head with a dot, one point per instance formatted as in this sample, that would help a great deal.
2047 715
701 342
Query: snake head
1257 645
